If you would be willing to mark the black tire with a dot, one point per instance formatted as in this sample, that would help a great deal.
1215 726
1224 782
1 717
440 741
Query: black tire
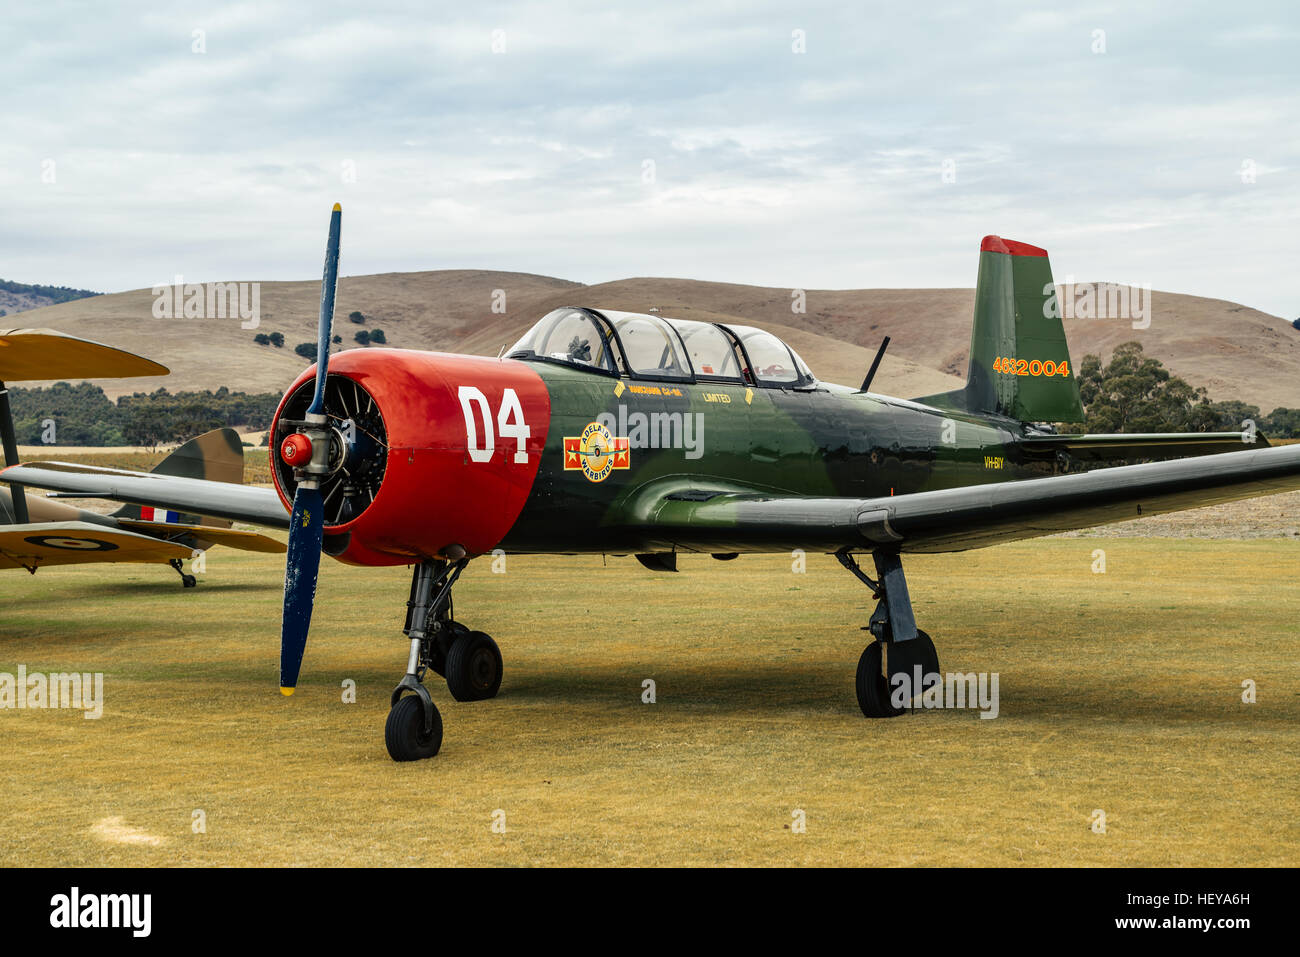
474 667
873 689
438 663
906 655
188 581
404 731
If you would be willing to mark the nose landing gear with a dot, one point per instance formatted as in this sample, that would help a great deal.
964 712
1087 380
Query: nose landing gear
469 660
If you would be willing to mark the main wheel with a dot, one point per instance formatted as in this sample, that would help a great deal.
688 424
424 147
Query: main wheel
904 656
448 636
474 667
873 689
188 581
404 732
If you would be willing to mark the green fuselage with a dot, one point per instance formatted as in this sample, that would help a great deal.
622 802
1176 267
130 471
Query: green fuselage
824 441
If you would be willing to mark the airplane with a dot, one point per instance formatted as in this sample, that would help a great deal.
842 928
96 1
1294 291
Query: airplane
37 533
610 432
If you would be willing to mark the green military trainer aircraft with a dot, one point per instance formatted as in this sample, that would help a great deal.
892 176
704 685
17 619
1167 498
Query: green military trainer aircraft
624 433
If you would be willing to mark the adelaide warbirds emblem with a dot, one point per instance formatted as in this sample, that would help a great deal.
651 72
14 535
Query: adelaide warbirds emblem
596 453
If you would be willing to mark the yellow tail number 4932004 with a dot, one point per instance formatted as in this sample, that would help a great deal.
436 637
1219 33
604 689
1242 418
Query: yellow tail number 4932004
1031 367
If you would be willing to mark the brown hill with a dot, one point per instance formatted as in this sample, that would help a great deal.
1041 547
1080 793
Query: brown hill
1235 351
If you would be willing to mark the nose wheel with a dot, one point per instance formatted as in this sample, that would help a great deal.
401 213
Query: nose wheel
406 734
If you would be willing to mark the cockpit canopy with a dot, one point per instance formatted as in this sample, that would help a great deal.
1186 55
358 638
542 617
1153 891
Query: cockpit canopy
655 347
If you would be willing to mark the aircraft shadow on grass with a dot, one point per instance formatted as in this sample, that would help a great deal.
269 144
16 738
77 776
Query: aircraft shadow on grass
818 692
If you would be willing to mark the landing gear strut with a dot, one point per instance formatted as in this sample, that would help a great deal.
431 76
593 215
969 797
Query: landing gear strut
892 624
469 660
187 581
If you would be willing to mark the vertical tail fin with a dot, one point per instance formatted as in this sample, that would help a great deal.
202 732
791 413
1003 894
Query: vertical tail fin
1019 361
216 456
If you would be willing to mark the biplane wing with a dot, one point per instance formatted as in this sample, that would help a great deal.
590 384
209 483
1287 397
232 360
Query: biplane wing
40 544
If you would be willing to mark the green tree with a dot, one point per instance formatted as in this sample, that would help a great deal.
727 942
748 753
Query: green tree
377 335
53 293
363 337
262 339
1136 393
277 339
81 413
307 350
1228 416
1281 423
355 316
148 425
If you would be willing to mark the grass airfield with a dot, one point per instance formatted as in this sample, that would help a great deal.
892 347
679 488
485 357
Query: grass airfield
1119 692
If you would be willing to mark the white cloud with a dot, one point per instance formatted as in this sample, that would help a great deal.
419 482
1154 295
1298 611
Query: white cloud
814 169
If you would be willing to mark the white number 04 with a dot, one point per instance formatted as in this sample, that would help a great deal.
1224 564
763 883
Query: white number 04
510 424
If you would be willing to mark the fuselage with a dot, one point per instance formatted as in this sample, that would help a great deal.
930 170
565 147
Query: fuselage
825 440
538 456
43 509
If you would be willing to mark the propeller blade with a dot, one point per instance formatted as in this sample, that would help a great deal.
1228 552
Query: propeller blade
307 522
325 328
301 567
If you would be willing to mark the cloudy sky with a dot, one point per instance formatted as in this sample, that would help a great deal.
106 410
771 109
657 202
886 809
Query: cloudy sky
1151 143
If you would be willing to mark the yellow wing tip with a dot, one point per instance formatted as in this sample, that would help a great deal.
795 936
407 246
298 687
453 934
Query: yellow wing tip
338 208
286 691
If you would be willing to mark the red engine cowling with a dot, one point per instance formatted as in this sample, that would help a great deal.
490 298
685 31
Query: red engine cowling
430 453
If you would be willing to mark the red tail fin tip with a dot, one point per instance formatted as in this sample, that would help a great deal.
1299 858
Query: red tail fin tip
996 244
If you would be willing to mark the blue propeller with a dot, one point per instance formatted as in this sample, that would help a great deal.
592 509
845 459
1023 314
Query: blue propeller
307 522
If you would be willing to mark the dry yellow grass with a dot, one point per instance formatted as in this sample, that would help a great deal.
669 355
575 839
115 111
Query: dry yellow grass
1119 692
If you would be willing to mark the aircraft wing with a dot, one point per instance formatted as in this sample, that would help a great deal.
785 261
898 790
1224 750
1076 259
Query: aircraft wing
230 537
40 544
32 354
243 503
957 519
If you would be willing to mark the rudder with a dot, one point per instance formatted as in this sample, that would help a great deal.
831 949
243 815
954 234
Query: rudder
217 456
1019 360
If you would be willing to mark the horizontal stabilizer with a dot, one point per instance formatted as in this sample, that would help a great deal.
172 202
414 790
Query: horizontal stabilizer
1095 448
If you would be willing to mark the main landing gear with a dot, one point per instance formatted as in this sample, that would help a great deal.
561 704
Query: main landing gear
892 624
469 660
